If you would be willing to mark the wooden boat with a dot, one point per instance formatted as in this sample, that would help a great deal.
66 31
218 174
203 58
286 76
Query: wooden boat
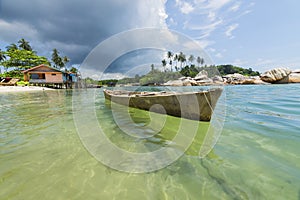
189 105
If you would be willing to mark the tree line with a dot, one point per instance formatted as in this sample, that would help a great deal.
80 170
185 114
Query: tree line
184 67
173 59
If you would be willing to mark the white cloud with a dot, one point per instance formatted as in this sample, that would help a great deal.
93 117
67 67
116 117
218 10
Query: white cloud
172 22
206 29
230 29
211 50
219 55
205 43
211 16
214 4
239 62
235 7
184 7
107 76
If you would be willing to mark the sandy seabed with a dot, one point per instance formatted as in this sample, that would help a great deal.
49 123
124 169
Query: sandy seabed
4 89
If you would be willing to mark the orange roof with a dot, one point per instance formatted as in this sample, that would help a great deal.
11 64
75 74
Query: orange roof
42 65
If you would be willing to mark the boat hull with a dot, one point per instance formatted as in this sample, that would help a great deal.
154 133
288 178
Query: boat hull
193 105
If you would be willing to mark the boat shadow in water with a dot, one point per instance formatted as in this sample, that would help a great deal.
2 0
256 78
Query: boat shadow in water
155 130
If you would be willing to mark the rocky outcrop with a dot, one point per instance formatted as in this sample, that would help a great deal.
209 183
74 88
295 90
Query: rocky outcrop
174 83
293 77
239 79
275 75
234 78
203 75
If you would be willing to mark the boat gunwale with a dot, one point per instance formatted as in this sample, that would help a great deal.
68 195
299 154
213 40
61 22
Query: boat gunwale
156 94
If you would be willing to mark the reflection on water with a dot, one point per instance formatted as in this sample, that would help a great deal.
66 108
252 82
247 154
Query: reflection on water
257 156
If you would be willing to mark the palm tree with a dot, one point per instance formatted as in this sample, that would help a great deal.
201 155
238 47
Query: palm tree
24 44
2 56
200 61
170 55
56 59
184 59
74 70
175 58
12 47
191 59
181 59
152 67
66 60
164 63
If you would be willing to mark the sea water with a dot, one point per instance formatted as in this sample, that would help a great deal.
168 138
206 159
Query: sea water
43 155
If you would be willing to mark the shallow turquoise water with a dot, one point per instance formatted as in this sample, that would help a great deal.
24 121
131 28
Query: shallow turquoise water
256 157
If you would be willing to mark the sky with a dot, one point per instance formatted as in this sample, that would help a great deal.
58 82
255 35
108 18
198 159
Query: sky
261 34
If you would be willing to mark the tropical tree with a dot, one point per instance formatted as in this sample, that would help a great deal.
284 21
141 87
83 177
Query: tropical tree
200 61
21 59
175 58
59 62
2 56
164 63
66 60
23 44
74 70
191 59
181 59
11 47
170 55
56 59
152 67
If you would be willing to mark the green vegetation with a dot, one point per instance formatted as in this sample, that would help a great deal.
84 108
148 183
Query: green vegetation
183 67
110 82
157 77
230 69
135 79
221 70
20 57
58 61
191 70
23 83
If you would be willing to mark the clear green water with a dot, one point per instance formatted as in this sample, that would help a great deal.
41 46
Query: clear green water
256 157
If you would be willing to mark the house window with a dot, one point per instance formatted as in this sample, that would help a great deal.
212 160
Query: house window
53 74
34 76
37 76
42 76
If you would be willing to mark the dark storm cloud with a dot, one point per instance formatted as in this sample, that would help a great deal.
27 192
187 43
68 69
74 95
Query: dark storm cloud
136 58
74 27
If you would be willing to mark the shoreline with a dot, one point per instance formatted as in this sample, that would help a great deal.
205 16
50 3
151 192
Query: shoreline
7 89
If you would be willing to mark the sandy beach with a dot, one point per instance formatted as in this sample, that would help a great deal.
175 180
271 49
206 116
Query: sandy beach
4 89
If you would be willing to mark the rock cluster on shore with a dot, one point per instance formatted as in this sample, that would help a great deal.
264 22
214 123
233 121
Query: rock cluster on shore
278 75
281 75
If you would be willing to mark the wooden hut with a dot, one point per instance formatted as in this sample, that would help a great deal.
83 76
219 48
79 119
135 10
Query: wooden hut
48 76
